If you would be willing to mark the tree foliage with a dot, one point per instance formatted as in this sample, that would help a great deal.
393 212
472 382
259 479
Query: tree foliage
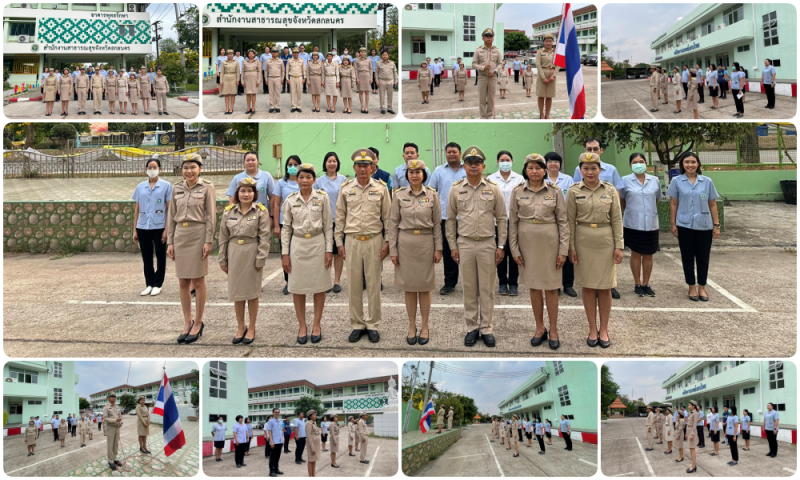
219 130
135 131
516 41
188 28
84 404
191 58
174 72
304 404
608 388
127 402
61 133
167 45
195 385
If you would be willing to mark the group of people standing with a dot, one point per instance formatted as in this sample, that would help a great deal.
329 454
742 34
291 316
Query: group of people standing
123 88
685 426
510 432
332 76
72 426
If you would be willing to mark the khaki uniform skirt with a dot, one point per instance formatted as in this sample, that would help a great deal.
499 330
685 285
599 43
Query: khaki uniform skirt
691 429
315 84
141 429
334 447
133 92
678 436
229 86
50 91
502 81
111 92
415 272
527 79
250 78
595 267
350 437
364 81
65 89
330 86
316 443
309 275
538 244
30 435
346 83
244 281
122 90
692 95
461 83
188 247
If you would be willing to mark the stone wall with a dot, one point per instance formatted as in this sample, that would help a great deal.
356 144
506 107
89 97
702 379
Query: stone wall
417 456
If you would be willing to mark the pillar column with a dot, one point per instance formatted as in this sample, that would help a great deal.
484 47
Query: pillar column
214 48
335 39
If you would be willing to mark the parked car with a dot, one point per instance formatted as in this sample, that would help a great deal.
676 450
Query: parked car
510 54
583 58
591 59
258 425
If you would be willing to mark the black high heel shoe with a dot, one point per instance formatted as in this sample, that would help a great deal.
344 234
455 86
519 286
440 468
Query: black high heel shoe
182 337
423 340
193 338
248 341
413 340
238 340
536 341
304 339
692 470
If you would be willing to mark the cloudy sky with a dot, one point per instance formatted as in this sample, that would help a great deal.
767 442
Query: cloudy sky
644 378
166 13
521 16
621 28
487 392
316 372
98 376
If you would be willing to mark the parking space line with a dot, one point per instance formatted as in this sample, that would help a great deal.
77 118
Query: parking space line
102 442
789 470
495 456
475 108
645 110
623 474
464 456
590 463
646 461
745 307
372 462
271 277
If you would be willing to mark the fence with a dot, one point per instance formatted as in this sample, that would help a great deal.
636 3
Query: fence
113 162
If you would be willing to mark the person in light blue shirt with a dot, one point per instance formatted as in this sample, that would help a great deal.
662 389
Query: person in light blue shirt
453 73
768 77
150 220
265 184
701 440
263 58
746 429
438 68
566 432
685 81
441 180
737 86
430 67
218 62
517 65
299 426
771 421
639 202
324 436
713 86
273 430
249 425
374 58
722 78
285 187
239 441
331 183
547 426
700 81
410 152
732 427
540 435
218 436
695 221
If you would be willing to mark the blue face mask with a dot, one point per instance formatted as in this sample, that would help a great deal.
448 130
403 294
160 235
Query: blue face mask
504 166
292 170
639 168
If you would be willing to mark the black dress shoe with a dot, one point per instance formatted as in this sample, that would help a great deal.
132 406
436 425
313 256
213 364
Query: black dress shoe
411 340
248 341
536 341
334 466
298 110
355 335
614 293
316 338
112 466
374 336
238 340
593 343
182 336
277 110
193 338
383 112
364 461
302 340
119 464
606 344
278 472
447 290
391 111
488 340
570 292
423 340
471 338
553 344
271 110
272 474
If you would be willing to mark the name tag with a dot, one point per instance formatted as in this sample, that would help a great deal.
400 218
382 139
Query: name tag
234 218
603 197
351 192
580 197
524 198
251 218
373 193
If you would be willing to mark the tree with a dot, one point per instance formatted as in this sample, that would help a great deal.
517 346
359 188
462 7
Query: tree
195 385
218 130
168 45
188 28
127 402
516 41
603 49
608 388
748 145
191 58
450 399
61 133
470 409
135 131
180 136
304 404
84 404
174 72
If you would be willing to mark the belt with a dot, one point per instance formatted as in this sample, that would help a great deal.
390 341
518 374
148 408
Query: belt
315 74
419 231
243 240
476 238
594 225
186 224
296 76
274 76
390 78
534 221
330 76
367 71
363 237
307 235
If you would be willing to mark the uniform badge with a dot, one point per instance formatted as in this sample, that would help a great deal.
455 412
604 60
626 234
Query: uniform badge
250 219
424 200
158 200
487 191
373 193
550 197
159 212
603 197
316 203
703 196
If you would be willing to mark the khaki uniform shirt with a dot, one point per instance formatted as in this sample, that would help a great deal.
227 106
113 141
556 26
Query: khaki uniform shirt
230 67
546 205
52 81
296 68
83 427
97 81
386 72
235 226
314 69
143 413
412 211
160 83
347 75
196 204
110 415
307 218
440 416
274 68
483 57
423 77
476 210
654 81
331 70
361 210
450 415
650 419
363 65
545 68
363 431
144 84
599 206
82 81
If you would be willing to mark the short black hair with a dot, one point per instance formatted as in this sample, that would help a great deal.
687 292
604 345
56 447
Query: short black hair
555 157
770 61
636 155
238 417
505 152
424 177
325 160
249 153
452 145
147 162
592 139
410 144
375 151
276 408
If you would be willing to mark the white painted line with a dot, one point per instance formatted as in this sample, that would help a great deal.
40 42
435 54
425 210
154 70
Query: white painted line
271 277
61 455
647 462
623 474
475 108
372 462
745 307
464 456
495 456
645 110
590 463
788 469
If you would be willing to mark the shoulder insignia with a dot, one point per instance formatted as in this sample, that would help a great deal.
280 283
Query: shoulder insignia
261 207
178 182
230 207
382 182
457 182
401 189
575 186
347 181
518 186
207 182
321 192
293 194
430 188
490 181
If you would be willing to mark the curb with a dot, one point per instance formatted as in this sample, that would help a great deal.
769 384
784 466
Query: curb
211 92
32 99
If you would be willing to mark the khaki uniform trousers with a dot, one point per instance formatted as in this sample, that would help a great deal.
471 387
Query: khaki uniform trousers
654 98
476 259
385 91
650 437
296 93
82 94
98 99
363 443
161 100
487 92
112 445
83 437
274 92
449 423
364 260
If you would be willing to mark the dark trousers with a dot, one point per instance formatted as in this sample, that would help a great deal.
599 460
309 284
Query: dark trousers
507 269
264 86
267 450
74 430
773 442
450 265
568 274
695 247
723 88
541 441
568 440
734 448
432 82
374 83
516 76
55 435
701 440
275 457
519 431
738 101
770 91
438 79
239 453
149 243
298 449
700 92
685 90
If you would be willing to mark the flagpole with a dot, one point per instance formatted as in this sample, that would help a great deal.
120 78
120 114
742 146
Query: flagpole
410 399
488 84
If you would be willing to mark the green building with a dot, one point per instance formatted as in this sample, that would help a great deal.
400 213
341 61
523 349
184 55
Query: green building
222 383
38 388
585 19
723 33
744 384
445 30
559 388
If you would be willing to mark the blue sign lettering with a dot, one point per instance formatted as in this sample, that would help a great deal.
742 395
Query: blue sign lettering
691 47
702 386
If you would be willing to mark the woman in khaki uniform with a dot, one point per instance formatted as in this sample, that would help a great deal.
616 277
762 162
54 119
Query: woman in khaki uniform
145 90
539 241
333 429
65 87
122 93
527 80
351 436
133 92
50 89
663 79
191 222
347 80
111 89
63 429
678 434
30 436
414 235
313 441
251 77
461 81
142 424
244 234
330 82
314 73
229 79
692 96
502 79
668 430
307 249
691 434
363 66
595 243
83 430
515 428
424 82
502 428
677 88
546 72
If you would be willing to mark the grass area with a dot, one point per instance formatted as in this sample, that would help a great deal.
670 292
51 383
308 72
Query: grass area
372 435
192 87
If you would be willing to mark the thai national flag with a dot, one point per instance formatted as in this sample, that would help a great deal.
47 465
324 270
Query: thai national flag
568 56
425 421
167 408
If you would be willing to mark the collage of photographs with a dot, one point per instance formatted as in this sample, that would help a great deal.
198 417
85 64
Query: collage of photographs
476 282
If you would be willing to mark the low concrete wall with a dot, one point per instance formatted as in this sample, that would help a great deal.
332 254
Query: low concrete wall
417 456
760 185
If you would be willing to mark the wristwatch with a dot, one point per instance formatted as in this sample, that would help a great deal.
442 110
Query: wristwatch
716 225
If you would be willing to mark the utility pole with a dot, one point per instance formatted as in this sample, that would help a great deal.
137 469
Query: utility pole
410 398
157 35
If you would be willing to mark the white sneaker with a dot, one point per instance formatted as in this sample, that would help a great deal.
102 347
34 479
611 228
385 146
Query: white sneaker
146 291
156 291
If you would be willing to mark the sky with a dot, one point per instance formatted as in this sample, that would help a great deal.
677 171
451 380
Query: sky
621 28
521 16
166 13
644 378
487 392
317 372
98 376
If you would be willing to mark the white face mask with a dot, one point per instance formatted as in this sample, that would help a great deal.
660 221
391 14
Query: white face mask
505 166
152 173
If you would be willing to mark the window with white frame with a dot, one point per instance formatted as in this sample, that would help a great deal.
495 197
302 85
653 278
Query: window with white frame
58 369
678 40
539 389
743 48
770 28
698 376
438 38
58 398
469 27
24 376
15 409
707 27
418 44
687 381
218 379
714 369
563 396
558 367
690 35
34 402
733 14
429 6
749 391
776 375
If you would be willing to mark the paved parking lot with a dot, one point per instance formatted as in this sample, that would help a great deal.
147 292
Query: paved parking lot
177 109
623 440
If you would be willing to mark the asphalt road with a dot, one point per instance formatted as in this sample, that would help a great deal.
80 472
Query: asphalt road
177 109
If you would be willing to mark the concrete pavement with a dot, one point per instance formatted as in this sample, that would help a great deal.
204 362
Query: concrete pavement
177 109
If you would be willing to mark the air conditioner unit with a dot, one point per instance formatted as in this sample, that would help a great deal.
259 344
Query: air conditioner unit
132 7
25 5
11 380
720 26
24 39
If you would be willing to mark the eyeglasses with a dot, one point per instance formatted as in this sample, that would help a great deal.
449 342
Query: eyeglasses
592 149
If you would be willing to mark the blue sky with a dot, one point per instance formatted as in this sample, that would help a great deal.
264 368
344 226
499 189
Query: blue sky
644 377
627 29
520 16
317 372
97 376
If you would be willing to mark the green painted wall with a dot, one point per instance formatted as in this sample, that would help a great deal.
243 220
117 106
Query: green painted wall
413 422
43 390
235 404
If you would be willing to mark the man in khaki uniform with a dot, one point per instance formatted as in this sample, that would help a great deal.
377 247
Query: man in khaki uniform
112 420
97 92
275 73
474 206
386 73
450 419
82 87
362 433
651 418
362 209
161 86
659 426
296 77
486 60
440 418
655 84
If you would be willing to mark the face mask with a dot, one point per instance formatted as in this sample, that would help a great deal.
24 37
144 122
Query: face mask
639 168
292 170
505 166
152 173
220 421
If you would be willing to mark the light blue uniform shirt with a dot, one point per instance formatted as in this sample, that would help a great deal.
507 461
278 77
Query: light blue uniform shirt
730 429
641 212
713 421
218 432
152 204
240 432
239 59
712 78
283 189
152 75
563 182
275 428
331 187
693 210
746 423
399 177
685 76
766 74
735 80
769 419
700 421
547 427
564 425
300 428
700 75
263 58
517 65
374 59
249 429
265 185
103 73
442 179
539 427
675 417
608 173
218 62
304 57
324 428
